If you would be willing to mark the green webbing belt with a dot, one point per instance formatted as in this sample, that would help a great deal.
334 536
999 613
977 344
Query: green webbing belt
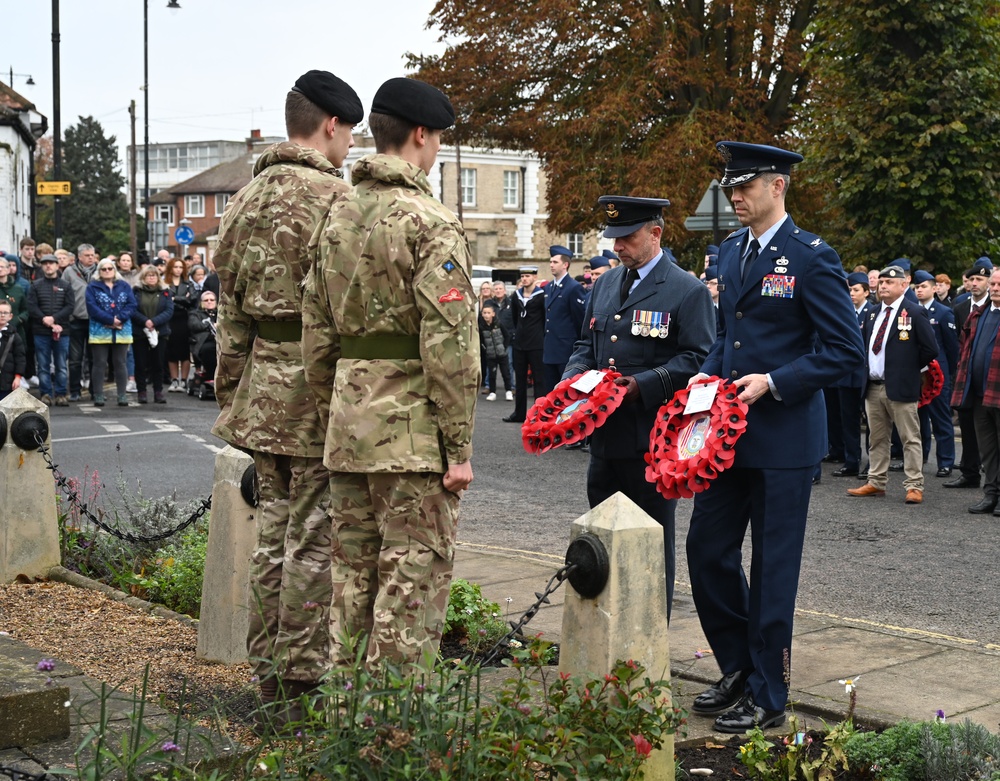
380 347
280 330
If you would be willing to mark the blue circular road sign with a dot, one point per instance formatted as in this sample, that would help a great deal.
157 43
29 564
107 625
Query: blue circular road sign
184 235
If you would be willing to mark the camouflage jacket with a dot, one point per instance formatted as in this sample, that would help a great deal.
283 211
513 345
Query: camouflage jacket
262 259
393 262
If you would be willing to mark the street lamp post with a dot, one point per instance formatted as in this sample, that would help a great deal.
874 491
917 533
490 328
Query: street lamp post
56 125
174 6
29 81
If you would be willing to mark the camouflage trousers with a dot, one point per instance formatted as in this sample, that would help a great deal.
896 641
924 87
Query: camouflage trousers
393 552
290 569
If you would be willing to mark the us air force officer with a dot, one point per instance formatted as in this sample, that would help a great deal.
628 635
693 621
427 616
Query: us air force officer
788 330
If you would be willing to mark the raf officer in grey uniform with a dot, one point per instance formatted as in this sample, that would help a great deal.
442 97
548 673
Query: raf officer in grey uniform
654 323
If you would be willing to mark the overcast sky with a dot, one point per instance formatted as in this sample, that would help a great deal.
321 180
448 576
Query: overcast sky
217 68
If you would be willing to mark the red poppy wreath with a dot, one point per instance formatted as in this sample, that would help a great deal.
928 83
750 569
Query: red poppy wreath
687 452
932 385
567 415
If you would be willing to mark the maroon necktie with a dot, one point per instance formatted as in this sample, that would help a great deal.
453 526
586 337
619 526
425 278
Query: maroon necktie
877 347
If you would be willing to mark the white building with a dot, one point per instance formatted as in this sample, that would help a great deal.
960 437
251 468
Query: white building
20 128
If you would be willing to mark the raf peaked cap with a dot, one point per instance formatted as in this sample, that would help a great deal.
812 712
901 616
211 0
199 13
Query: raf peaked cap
922 276
599 261
745 162
416 102
559 249
626 214
335 96
892 272
857 278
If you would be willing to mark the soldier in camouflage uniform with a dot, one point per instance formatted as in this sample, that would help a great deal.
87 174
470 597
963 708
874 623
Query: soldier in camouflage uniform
391 346
267 409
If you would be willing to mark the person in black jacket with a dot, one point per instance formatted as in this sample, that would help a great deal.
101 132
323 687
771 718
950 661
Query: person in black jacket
11 351
528 310
151 329
492 345
50 305
201 330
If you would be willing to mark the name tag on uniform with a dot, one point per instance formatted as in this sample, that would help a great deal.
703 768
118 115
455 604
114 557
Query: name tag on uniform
778 286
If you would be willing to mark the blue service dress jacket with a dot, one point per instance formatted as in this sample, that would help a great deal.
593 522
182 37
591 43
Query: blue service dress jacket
661 364
943 322
564 307
791 317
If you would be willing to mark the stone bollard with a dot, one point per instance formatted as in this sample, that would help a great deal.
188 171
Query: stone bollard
225 593
29 527
628 619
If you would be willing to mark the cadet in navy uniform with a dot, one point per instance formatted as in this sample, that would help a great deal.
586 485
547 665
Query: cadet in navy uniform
565 299
936 416
528 313
651 321
848 388
789 330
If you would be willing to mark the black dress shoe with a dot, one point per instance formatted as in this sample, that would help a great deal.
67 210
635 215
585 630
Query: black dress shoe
722 696
944 471
747 715
845 472
985 507
832 459
961 482
895 466
817 480
512 419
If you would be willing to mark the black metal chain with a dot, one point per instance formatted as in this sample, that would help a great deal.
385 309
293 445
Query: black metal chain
19 775
74 498
541 598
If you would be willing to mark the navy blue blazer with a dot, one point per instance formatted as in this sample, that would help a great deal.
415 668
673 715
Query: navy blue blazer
904 357
660 365
564 306
856 379
945 331
791 317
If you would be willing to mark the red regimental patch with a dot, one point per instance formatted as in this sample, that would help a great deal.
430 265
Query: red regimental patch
451 295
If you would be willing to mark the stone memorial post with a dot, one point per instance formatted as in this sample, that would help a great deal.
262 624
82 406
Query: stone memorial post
29 530
225 593
628 618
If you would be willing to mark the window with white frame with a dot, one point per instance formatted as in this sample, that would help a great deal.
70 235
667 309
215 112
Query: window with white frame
194 205
468 187
511 189
165 213
221 199
574 242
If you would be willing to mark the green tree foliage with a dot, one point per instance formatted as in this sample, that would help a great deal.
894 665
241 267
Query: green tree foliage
621 96
96 213
904 126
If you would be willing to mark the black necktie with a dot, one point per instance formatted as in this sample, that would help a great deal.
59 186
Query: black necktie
630 277
750 258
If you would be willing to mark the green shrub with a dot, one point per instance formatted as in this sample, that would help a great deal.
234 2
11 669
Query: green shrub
537 725
472 617
896 754
966 752
175 573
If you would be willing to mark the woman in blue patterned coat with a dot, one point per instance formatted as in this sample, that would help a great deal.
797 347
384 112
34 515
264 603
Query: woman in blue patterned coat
110 305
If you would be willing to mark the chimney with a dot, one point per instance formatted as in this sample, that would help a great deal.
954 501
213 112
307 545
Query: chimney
253 140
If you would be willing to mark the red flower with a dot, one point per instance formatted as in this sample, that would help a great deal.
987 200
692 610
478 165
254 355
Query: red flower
642 746
933 383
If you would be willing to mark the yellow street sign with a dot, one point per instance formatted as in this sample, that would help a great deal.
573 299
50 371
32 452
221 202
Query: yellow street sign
54 188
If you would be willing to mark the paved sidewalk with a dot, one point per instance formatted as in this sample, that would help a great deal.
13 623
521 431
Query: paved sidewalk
902 674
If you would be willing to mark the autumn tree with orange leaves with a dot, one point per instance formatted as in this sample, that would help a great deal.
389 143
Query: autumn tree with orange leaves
621 97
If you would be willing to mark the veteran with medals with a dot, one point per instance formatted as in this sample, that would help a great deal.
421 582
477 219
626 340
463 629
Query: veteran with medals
787 330
651 321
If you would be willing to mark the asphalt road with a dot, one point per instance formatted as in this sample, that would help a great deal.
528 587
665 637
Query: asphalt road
930 567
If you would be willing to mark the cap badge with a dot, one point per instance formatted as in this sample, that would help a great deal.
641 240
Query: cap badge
726 154
611 211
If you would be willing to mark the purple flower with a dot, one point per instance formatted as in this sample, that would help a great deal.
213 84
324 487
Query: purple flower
46 665
170 747
348 686
698 655
939 716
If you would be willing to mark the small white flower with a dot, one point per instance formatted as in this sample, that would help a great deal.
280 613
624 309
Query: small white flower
850 684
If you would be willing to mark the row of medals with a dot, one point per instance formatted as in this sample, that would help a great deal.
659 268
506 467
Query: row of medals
903 326
653 329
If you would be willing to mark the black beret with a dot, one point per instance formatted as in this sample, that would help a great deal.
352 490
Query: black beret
335 96
416 102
